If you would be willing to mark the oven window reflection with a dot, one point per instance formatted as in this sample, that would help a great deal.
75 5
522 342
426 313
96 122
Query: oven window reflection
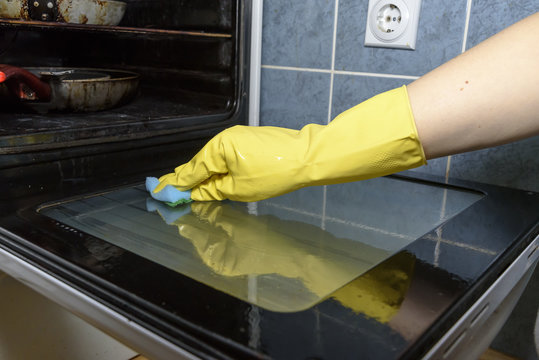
258 252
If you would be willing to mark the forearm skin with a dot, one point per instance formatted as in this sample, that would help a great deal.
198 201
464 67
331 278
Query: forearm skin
485 97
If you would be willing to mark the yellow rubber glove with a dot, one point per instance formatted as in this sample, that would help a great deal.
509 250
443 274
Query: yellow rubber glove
375 138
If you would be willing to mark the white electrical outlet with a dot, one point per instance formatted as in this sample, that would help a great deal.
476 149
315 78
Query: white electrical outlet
392 23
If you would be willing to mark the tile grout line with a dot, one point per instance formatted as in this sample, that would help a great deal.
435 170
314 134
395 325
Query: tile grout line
439 230
295 68
447 169
333 51
331 81
438 238
390 76
340 72
341 221
324 204
466 25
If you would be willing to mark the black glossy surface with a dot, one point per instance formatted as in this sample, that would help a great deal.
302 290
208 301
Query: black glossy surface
213 15
448 268
258 254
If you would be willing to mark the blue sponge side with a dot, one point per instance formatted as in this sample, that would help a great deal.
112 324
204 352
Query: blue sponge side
169 193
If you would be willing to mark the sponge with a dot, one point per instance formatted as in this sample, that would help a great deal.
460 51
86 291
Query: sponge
169 195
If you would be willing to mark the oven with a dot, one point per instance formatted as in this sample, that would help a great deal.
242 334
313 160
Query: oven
168 73
405 266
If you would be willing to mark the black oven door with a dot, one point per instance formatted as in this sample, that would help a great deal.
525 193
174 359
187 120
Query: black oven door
109 101
325 272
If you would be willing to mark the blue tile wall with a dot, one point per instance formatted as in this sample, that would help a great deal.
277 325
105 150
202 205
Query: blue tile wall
305 203
514 165
293 99
489 17
409 209
299 35
439 39
351 90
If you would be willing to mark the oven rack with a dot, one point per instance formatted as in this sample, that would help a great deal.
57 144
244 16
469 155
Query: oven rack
117 30
146 116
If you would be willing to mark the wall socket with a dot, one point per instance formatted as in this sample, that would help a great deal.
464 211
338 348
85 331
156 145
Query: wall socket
392 23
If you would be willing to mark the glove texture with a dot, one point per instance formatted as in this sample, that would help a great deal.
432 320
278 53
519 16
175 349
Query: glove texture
375 138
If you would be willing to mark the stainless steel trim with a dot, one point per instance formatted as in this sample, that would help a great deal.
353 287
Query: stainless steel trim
487 313
256 61
109 321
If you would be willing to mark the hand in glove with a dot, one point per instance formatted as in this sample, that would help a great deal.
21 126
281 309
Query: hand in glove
377 137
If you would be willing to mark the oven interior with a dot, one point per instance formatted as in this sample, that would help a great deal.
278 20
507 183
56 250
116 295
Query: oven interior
185 51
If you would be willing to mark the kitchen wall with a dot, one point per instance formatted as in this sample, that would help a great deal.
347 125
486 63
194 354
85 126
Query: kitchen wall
314 66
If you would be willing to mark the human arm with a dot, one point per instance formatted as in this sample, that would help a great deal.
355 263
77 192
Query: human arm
485 97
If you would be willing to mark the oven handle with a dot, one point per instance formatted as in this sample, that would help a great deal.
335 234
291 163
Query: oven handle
23 84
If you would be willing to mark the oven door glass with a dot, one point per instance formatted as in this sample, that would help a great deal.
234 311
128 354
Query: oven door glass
276 254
